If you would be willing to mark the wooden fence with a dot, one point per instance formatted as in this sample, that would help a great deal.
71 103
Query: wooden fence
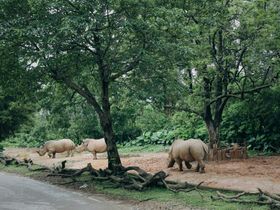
233 152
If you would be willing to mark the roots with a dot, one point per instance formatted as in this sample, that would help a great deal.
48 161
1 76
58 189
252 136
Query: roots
265 198
137 180
12 161
132 177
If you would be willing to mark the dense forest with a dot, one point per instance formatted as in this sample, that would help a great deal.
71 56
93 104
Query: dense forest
140 72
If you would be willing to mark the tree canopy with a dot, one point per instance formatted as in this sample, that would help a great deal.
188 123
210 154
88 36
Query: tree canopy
137 65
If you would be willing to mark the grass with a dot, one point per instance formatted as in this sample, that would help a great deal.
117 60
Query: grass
254 153
193 199
21 170
141 149
160 148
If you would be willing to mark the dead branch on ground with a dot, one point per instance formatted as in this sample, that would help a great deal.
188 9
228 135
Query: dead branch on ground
265 198
5 160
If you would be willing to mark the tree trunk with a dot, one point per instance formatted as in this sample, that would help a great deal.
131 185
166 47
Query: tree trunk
213 133
211 124
114 161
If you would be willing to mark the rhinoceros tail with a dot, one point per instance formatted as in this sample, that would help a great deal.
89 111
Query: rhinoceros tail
170 150
205 148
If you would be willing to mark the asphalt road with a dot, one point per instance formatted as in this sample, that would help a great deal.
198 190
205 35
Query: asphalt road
21 193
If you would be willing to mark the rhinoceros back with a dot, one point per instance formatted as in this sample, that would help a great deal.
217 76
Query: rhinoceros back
61 145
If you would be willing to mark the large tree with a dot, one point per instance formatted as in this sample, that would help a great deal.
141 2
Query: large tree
232 55
16 92
84 45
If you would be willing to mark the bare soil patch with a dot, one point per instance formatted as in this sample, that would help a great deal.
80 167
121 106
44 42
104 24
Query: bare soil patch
245 175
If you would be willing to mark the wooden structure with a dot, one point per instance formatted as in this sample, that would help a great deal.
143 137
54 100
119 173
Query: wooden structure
234 152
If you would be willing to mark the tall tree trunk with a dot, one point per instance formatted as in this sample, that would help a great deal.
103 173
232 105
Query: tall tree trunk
208 117
213 121
104 114
190 80
213 133
114 161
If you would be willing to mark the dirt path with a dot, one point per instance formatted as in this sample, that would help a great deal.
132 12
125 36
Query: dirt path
247 175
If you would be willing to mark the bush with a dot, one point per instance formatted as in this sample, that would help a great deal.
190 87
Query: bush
151 120
164 137
255 121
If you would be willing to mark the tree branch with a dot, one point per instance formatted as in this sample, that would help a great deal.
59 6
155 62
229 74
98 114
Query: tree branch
128 68
240 59
266 74
72 5
188 109
236 94
213 47
82 90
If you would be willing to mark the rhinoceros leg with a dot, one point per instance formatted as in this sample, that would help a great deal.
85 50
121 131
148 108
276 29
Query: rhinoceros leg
188 165
197 168
94 155
171 163
50 154
179 162
201 166
53 154
68 153
72 153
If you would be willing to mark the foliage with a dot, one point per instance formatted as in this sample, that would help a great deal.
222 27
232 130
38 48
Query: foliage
66 116
69 72
125 149
17 86
258 126
13 113
181 125
227 58
151 120
124 113
164 137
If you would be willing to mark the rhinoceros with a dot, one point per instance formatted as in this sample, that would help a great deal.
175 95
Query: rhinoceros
187 151
93 145
57 146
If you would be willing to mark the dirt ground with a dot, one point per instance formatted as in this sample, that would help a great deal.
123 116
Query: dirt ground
246 175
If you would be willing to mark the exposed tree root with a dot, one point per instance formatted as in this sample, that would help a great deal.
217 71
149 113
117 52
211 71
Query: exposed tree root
265 198
271 195
231 197
235 200
13 161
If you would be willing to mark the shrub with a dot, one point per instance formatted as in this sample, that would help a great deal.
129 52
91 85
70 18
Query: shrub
255 121
151 120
